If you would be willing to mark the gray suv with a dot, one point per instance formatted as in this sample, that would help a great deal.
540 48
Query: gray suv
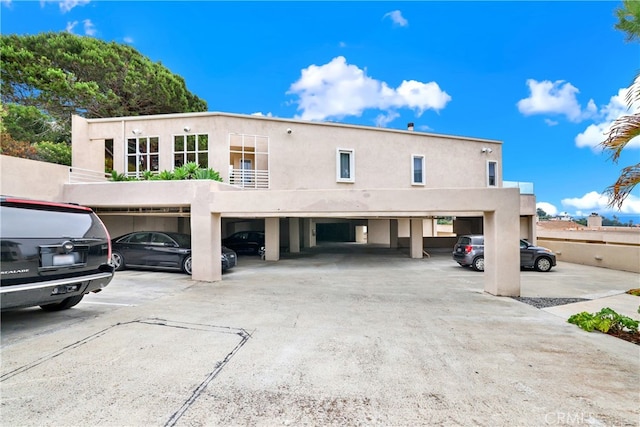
469 251
52 254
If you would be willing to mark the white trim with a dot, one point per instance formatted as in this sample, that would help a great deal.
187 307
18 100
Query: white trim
413 158
352 165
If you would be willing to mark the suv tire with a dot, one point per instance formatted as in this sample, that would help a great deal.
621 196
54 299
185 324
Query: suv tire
65 304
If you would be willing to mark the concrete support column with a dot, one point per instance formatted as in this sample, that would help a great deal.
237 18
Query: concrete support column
308 233
415 238
206 246
272 239
378 232
502 251
294 235
393 234
429 227
533 234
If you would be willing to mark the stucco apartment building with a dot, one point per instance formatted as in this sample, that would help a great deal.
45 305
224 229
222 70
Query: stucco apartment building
298 181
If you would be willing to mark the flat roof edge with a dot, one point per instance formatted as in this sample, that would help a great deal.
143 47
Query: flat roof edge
284 120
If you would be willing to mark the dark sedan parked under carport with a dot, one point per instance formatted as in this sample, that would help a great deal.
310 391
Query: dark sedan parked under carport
159 250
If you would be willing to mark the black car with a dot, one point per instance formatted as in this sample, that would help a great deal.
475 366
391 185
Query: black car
245 242
469 251
52 254
159 250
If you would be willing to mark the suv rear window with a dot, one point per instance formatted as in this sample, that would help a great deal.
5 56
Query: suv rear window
27 223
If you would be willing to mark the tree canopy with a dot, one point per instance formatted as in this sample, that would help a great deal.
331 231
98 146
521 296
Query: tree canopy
627 127
61 74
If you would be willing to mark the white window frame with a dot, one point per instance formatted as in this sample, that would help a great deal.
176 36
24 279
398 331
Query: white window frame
414 157
185 152
144 159
495 184
352 165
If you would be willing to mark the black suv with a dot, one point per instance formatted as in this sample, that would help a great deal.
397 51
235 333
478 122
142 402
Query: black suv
52 254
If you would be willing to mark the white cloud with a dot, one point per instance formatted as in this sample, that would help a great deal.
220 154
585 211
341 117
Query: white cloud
557 97
396 18
594 134
89 28
128 40
548 208
259 114
551 122
342 44
65 5
337 89
71 26
596 202
6 3
384 119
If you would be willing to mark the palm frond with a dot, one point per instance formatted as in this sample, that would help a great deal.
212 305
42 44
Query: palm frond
622 131
618 192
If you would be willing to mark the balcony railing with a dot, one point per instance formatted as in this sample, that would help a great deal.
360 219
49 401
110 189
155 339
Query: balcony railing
78 176
246 178
525 187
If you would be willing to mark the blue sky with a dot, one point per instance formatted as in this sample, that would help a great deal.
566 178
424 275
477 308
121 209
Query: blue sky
546 78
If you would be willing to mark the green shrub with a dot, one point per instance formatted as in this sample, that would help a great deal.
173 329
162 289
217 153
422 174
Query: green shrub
187 171
52 152
606 320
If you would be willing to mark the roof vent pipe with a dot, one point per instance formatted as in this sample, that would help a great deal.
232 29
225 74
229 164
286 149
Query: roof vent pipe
410 126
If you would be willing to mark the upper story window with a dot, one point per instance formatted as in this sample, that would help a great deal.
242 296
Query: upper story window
248 160
492 174
191 148
345 165
142 155
417 170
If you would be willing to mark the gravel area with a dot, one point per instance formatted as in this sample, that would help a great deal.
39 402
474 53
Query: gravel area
548 302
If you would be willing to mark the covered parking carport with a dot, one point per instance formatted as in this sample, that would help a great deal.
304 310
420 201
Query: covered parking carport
209 202
499 208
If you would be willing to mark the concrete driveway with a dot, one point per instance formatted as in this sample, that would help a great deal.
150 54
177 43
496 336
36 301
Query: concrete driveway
349 336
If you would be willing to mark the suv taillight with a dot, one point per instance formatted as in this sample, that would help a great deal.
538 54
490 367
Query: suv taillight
468 249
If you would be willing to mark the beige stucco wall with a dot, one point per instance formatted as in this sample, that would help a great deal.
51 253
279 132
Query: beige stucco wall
305 158
617 249
32 179
378 231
